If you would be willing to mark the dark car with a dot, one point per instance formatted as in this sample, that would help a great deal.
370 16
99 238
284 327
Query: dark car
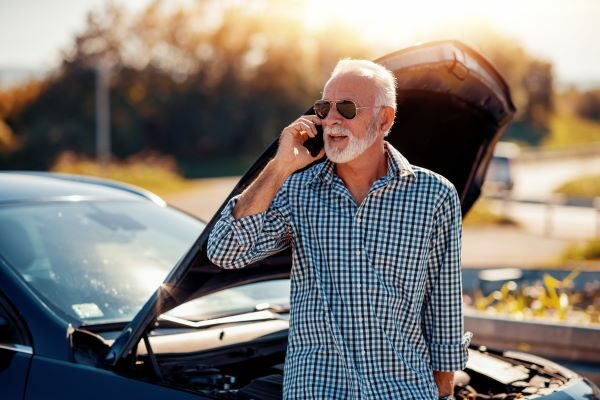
499 179
106 292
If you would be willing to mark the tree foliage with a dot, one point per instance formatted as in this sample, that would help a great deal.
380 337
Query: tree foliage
212 79
530 79
204 81
587 105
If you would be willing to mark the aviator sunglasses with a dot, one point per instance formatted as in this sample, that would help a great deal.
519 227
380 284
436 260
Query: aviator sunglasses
346 108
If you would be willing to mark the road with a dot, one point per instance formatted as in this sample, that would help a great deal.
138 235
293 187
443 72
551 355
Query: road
543 232
563 222
537 178
493 246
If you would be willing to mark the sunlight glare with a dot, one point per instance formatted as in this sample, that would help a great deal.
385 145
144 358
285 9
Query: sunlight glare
151 278
405 22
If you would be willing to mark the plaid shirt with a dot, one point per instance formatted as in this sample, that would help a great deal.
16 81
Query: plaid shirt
376 291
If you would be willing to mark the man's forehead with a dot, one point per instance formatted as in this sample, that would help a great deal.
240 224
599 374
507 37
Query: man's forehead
350 86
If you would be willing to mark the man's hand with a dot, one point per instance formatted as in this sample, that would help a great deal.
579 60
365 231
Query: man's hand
291 154
444 381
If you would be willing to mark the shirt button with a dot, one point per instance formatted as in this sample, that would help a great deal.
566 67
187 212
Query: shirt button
359 285
358 252
358 220
359 319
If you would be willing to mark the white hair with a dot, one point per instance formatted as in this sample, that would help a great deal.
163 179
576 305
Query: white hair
384 79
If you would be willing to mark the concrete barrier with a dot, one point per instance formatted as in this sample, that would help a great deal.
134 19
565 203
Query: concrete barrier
566 342
573 346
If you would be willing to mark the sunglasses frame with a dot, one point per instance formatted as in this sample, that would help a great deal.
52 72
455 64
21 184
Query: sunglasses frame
336 102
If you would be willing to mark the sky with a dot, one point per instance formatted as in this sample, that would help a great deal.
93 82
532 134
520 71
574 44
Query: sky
565 32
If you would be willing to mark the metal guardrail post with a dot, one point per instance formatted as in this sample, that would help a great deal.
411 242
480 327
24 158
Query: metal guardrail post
597 208
555 200
505 204
103 114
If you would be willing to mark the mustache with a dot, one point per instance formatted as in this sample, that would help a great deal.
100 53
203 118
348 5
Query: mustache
337 130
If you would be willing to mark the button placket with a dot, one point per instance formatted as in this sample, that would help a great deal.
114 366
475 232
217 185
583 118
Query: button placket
362 276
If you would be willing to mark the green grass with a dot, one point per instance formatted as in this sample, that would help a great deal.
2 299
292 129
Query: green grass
567 130
155 173
589 250
481 215
586 186
216 167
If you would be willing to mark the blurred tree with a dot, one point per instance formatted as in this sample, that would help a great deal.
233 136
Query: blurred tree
530 79
587 105
208 80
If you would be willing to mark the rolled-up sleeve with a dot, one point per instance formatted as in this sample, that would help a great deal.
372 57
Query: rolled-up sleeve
443 313
235 243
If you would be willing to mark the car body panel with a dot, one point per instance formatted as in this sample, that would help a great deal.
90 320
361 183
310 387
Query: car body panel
47 329
14 369
54 379
46 187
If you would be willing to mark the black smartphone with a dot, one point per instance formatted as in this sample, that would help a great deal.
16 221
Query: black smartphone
314 145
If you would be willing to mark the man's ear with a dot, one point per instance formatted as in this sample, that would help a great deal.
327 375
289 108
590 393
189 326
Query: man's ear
386 119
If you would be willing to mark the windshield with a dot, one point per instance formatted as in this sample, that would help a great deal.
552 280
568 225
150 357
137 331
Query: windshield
97 262
257 296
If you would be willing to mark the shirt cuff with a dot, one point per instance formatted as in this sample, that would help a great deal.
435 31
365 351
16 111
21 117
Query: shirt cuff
450 357
246 230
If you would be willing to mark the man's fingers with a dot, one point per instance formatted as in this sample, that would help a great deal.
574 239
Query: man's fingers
291 142
308 128
300 129
306 123
311 120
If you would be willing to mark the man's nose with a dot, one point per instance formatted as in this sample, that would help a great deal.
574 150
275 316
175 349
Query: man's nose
333 116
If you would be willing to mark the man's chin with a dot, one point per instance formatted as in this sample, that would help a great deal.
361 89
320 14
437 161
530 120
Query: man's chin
339 156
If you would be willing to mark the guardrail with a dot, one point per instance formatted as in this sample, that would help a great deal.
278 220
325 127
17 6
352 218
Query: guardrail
552 340
549 216
538 154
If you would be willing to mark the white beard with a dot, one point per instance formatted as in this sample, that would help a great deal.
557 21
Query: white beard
354 148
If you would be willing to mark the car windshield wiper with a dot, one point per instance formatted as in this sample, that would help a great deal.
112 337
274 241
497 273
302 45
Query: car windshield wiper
262 315
276 308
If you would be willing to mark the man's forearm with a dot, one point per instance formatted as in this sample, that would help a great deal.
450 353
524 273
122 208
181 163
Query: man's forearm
444 381
259 195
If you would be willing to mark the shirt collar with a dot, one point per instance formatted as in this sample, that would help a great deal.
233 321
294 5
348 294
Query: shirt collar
398 167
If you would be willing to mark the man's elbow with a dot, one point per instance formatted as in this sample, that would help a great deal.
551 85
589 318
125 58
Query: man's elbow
221 259
226 257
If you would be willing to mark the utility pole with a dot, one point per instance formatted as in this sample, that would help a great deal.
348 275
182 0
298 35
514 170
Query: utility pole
102 114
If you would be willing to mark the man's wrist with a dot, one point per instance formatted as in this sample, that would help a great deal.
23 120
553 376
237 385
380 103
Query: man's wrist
281 168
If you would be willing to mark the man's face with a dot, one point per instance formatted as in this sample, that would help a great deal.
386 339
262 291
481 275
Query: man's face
346 139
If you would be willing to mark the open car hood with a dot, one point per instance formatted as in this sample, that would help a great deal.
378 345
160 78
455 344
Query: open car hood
452 108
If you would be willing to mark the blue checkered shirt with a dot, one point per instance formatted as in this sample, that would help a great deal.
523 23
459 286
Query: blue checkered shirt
376 291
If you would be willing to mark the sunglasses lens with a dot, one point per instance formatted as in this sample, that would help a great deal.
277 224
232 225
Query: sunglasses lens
321 109
346 108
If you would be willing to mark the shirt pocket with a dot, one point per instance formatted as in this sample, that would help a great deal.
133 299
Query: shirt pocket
398 256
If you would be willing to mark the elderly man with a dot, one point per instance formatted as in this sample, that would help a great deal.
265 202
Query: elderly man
376 307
